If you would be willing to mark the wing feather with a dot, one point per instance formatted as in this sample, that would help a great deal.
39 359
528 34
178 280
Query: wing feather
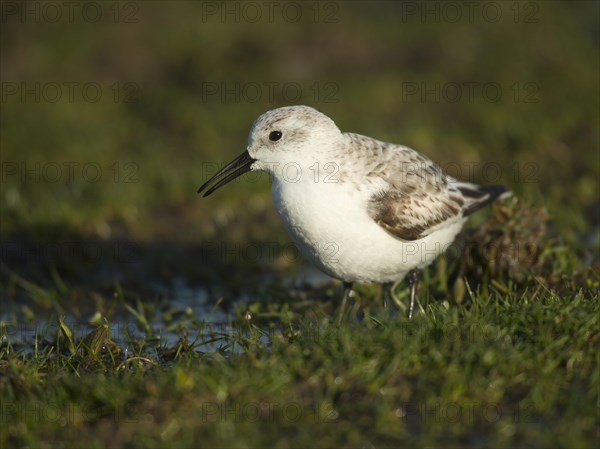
419 197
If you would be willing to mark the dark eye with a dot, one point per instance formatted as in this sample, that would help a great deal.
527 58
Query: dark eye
275 135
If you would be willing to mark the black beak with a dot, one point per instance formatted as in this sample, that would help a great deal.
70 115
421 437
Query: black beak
235 168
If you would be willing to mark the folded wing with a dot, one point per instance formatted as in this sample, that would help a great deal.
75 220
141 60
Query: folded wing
420 198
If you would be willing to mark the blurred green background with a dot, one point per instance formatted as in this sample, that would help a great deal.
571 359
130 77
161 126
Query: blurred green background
114 113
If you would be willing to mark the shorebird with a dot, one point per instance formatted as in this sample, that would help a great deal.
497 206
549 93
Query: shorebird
360 209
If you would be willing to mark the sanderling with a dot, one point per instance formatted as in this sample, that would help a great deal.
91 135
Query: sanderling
362 210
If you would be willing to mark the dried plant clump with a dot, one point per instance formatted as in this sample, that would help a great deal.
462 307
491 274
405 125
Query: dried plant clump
508 244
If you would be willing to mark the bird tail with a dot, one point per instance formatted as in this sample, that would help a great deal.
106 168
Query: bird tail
481 196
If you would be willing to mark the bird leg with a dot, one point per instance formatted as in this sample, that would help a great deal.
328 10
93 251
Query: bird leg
413 281
385 294
347 293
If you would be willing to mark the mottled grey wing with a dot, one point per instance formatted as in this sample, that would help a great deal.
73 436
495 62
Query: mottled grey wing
418 197
412 212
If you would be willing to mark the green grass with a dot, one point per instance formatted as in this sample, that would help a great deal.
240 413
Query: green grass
509 370
133 313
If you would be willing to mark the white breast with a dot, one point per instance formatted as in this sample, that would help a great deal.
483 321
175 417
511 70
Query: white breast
330 225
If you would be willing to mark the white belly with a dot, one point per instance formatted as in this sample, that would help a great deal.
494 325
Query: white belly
330 225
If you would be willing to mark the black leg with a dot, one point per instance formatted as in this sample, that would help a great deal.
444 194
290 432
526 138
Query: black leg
413 281
347 293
